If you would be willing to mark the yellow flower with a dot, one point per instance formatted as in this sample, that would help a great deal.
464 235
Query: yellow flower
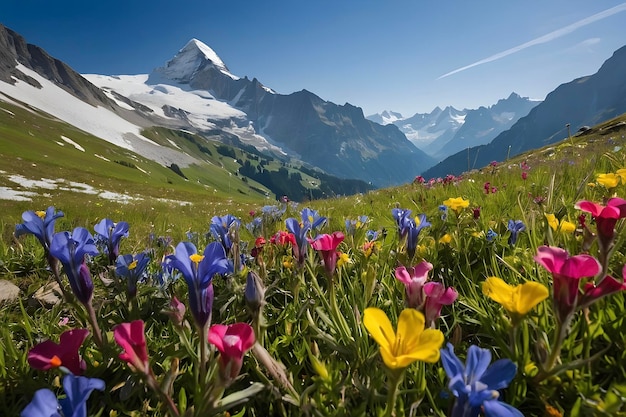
609 180
343 259
456 204
567 227
518 300
288 262
622 174
445 239
564 226
552 221
410 344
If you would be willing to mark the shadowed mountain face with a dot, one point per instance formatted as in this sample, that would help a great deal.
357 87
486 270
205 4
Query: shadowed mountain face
584 101
335 138
14 50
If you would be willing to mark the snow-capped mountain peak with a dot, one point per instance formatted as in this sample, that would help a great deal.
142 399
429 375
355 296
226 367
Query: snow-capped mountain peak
194 55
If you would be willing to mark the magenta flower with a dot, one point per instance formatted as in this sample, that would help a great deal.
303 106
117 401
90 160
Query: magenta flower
606 217
437 296
232 341
566 272
609 285
131 337
47 355
326 245
414 279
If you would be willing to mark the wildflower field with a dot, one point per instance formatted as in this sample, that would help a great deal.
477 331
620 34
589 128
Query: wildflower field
496 293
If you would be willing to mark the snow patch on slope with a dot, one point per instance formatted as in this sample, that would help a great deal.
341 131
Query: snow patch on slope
53 100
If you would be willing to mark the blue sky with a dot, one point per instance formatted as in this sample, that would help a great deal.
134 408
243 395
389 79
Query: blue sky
403 55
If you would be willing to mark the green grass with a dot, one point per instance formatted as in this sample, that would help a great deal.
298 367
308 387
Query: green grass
311 323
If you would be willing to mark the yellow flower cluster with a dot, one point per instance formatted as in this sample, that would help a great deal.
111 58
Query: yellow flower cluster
564 226
456 203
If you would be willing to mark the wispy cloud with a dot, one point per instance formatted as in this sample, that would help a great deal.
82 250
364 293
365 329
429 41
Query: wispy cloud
544 39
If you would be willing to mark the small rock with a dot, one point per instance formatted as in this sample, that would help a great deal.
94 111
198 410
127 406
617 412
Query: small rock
8 291
47 296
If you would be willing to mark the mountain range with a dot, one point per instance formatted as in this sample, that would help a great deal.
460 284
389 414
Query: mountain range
196 92
584 101
443 132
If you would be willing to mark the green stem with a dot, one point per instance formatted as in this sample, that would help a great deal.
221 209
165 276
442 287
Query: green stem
152 383
513 341
395 379
202 371
95 328
559 338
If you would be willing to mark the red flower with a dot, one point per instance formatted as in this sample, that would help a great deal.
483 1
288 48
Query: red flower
327 247
566 272
131 337
232 341
48 354
282 238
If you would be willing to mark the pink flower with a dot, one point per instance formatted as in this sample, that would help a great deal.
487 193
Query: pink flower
176 311
327 246
606 217
524 175
566 272
437 296
48 354
232 341
414 279
131 337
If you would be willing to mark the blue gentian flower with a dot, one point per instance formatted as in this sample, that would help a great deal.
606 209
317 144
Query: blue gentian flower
132 268
515 226
444 212
40 224
491 235
71 251
198 271
77 390
413 231
371 235
476 384
255 227
350 227
111 234
403 221
220 229
273 213
312 219
300 233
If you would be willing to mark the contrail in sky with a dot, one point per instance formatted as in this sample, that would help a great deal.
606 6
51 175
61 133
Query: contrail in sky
545 38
